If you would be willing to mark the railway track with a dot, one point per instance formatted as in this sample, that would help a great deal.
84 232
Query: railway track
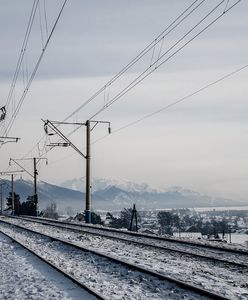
87 292
98 229
230 256
228 279
105 274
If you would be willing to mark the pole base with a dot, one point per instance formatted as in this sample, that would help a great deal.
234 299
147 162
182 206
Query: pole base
87 216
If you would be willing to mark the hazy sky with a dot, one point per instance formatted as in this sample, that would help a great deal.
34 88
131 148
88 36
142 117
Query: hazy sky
201 143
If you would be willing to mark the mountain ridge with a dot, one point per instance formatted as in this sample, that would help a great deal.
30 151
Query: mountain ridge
111 196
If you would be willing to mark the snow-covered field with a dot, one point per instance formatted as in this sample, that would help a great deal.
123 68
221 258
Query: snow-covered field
227 280
24 276
236 238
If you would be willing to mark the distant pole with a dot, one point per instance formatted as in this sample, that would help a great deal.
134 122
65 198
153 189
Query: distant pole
35 187
136 219
1 187
34 175
134 215
88 200
12 192
230 234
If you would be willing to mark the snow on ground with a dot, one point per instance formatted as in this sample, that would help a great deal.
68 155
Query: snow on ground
229 281
170 243
24 276
115 281
237 239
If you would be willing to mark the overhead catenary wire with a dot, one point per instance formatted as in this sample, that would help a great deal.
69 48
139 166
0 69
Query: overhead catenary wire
142 53
174 103
27 34
155 64
22 52
41 27
149 70
21 100
211 23
165 108
45 15
182 99
176 22
146 73
148 48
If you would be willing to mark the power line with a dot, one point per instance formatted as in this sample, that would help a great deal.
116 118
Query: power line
149 70
164 108
146 73
177 21
23 50
156 66
21 55
142 53
30 23
167 107
182 99
17 109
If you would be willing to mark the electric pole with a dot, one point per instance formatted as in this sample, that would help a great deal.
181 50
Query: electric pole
1 191
34 175
134 216
2 183
51 125
35 188
12 187
12 193
88 179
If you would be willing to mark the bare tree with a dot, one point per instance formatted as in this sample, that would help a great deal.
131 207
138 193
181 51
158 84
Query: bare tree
50 211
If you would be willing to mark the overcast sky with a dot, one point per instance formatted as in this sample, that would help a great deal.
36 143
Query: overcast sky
200 144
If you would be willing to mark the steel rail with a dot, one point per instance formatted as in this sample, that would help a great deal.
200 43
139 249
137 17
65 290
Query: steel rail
139 243
179 283
64 273
137 234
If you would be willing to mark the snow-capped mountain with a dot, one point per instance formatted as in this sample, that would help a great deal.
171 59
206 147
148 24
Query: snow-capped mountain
114 195
47 193
102 183
117 194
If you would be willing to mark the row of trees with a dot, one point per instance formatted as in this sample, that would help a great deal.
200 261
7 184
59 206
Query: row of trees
170 222
123 221
29 207
22 208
